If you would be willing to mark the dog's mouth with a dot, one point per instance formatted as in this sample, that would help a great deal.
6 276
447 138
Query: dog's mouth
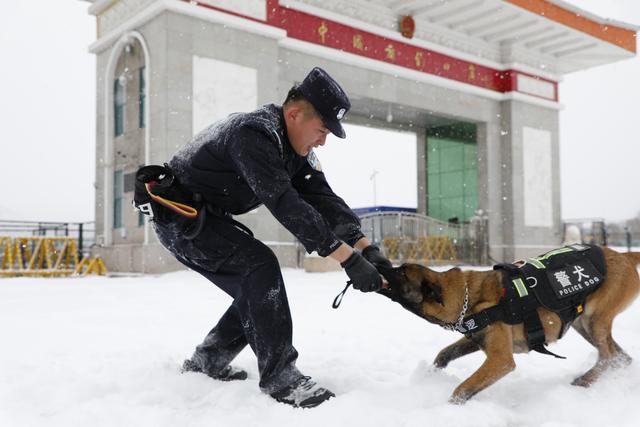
398 289
390 292
392 279
386 290
395 287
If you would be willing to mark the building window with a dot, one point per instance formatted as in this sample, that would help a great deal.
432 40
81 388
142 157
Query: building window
118 193
141 98
119 99
452 173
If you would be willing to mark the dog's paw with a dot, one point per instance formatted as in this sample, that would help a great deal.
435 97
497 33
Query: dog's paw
582 382
461 394
441 361
443 358
458 399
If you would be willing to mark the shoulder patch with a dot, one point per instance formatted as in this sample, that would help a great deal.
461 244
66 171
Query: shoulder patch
314 161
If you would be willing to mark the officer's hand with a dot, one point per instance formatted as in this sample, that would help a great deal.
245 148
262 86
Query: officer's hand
364 276
372 254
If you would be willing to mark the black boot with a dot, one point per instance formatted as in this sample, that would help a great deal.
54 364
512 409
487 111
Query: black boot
228 373
303 393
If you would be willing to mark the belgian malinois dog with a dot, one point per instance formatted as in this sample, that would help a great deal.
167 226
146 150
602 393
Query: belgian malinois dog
439 297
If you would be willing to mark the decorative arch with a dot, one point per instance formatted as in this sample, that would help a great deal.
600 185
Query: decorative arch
109 158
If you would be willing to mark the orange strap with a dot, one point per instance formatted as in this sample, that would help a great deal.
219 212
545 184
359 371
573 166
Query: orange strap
180 208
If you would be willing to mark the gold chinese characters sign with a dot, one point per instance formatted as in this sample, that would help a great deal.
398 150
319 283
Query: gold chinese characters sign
393 50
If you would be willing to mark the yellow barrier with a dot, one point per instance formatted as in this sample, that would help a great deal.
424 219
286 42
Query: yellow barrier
46 257
6 249
91 266
424 250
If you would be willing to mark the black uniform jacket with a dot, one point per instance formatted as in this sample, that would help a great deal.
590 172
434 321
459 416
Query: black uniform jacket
247 160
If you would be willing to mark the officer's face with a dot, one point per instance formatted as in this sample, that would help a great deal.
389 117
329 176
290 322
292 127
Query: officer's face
306 133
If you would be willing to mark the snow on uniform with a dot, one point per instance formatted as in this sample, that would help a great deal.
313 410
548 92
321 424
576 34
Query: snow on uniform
236 165
247 160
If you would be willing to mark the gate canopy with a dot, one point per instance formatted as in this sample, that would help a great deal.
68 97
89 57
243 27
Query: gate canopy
549 34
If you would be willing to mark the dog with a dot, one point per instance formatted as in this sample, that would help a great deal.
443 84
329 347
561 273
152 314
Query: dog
444 298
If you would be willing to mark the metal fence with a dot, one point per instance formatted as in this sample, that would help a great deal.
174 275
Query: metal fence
625 237
412 237
596 231
84 232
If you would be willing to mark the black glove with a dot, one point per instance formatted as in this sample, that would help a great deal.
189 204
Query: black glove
372 254
364 276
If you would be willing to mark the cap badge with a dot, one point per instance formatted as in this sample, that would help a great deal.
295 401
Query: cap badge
340 114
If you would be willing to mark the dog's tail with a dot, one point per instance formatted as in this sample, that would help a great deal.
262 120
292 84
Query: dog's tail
634 257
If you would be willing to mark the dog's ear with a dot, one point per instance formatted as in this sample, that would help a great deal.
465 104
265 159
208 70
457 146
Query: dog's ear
431 290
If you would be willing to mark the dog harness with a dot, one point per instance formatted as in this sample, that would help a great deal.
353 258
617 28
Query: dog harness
559 280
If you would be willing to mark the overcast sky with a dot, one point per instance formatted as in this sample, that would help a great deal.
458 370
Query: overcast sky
47 118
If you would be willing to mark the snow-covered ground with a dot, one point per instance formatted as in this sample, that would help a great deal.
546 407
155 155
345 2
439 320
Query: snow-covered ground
106 352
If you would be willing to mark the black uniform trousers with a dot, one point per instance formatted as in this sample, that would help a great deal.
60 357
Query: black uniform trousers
248 271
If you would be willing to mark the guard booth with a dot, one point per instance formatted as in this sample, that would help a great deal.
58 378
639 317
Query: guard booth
476 81
585 230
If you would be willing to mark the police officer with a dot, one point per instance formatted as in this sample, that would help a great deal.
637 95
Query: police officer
246 160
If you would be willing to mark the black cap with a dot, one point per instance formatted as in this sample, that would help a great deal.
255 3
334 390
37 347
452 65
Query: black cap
327 97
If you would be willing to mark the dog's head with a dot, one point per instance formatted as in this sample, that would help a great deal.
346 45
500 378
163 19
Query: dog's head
421 290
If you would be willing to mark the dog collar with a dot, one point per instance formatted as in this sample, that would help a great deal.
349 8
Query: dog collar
465 306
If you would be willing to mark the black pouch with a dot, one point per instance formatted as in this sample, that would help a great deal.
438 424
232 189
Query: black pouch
158 195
